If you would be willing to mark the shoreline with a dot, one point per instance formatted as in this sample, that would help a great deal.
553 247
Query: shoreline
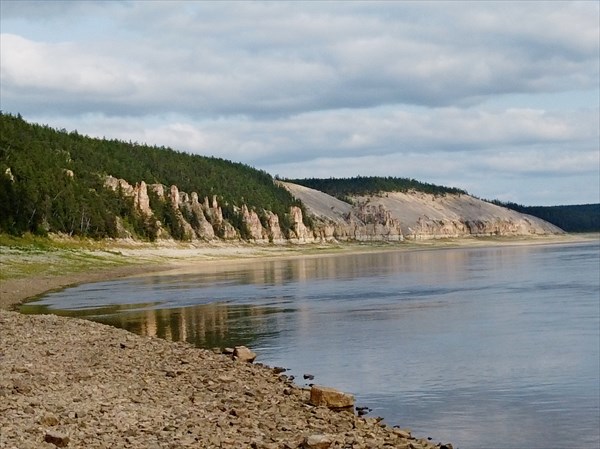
142 259
70 382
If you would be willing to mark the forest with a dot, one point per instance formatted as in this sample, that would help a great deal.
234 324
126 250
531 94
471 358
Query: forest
53 181
570 218
342 188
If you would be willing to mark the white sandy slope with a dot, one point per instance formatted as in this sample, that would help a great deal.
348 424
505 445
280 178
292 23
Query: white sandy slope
423 213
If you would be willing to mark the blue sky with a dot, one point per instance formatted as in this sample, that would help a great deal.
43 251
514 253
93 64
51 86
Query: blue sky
499 98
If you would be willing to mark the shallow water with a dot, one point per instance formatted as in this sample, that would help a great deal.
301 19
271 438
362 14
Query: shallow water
485 348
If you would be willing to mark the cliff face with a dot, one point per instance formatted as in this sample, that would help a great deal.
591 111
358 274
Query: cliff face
391 216
194 220
413 215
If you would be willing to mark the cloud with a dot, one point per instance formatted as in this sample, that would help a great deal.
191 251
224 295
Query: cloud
428 90
265 59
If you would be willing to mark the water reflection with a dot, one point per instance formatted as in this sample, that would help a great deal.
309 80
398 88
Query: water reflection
483 347
245 303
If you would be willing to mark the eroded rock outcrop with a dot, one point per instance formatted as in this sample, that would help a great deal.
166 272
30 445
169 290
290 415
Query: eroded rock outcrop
214 214
200 224
273 229
393 216
300 232
336 220
253 225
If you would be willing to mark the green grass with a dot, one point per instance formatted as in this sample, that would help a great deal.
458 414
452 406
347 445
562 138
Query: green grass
30 255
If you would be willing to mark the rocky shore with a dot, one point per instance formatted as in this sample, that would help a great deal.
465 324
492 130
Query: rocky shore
74 383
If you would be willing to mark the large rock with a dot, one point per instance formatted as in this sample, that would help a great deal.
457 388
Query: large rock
243 354
330 397
273 228
141 200
57 438
214 214
201 225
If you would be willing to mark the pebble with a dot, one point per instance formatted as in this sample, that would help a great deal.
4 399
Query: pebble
153 394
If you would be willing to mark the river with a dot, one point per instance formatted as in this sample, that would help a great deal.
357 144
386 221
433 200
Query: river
484 347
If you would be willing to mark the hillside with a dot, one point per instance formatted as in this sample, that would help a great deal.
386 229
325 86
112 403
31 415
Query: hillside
413 215
54 181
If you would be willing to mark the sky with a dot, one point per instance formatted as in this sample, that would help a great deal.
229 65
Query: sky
501 99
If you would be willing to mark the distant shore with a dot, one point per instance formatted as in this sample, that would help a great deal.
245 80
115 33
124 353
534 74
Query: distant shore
27 274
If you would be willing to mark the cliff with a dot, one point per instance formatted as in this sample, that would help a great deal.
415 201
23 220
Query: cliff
412 215
191 220
387 216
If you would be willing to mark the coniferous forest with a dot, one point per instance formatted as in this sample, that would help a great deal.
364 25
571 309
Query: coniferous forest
54 181
341 188
570 218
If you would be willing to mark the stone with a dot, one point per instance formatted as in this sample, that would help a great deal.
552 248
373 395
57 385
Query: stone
162 395
402 433
57 438
330 397
317 441
273 228
49 420
141 199
243 354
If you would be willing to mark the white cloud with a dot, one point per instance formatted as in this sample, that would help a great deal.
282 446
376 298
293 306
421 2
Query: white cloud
379 87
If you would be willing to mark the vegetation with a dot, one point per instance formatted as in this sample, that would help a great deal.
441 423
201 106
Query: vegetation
572 218
53 181
342 188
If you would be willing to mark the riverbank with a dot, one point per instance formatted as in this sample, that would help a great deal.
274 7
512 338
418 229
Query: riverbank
74 383
29 269
83 384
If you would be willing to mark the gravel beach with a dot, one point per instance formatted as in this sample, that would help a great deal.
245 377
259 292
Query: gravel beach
74 383
68 382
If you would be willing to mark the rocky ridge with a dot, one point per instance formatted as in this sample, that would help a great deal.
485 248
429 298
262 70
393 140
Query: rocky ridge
74 383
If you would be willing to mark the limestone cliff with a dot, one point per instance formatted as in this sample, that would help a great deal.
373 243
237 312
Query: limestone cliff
388 216
192 219
413 215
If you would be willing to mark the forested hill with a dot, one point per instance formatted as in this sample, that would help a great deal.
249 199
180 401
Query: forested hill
342 188
54 180
571 218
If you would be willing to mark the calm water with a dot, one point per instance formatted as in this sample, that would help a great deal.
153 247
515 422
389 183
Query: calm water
485 348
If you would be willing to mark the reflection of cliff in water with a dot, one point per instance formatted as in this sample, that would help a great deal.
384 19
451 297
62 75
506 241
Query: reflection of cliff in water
206 326
248 302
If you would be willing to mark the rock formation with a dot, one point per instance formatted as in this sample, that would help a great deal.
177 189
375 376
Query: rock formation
393 216
201 225
273 229
214 213
253 225
388 216
301 233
